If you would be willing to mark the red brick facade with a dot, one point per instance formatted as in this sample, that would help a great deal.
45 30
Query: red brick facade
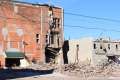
26 26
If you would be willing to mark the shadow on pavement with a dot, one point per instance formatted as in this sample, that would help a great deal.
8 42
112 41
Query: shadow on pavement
21 73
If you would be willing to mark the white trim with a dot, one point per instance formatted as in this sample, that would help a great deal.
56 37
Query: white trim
62 24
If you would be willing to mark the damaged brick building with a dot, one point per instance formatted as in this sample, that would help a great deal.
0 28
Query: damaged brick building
30 31
92 51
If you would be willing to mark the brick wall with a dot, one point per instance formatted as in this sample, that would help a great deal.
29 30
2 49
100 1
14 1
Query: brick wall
21 22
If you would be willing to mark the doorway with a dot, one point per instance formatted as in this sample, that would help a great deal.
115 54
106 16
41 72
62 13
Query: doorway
12 62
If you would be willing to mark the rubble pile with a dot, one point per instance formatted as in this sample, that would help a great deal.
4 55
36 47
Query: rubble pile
41 67
87 70
81 70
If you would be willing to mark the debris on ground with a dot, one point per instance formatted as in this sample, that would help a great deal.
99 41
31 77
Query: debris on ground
88 71
78 70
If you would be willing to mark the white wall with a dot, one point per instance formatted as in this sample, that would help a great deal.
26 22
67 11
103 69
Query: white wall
85 50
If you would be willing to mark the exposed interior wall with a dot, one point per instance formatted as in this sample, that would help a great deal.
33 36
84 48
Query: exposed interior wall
99 54
80 50
86 48
105 50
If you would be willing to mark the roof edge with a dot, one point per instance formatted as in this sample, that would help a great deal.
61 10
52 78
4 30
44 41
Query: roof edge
35 4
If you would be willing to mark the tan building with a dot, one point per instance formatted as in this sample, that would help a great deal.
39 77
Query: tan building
89 50
29 31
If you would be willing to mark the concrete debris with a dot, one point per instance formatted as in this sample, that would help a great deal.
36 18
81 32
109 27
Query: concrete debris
78 70
81 70
88 71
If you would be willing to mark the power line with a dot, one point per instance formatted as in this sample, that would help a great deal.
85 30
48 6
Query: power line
91 17
92 28
73 26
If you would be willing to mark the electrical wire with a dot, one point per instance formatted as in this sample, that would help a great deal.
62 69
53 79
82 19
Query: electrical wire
87 16
76 26
92 28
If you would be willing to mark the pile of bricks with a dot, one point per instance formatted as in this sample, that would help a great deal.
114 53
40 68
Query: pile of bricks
88 71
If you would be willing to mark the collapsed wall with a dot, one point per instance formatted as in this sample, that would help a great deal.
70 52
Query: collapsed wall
90 51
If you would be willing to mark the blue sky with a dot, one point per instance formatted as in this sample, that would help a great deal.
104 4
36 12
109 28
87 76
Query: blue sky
98 8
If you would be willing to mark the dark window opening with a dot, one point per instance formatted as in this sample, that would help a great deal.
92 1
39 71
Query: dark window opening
108 46
77 46
11 62
52 39
37 40
58 41
50 8
116 46
54 22
58 23
37 35
46 38
112 59
34 60
94 46
77 50
101 47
